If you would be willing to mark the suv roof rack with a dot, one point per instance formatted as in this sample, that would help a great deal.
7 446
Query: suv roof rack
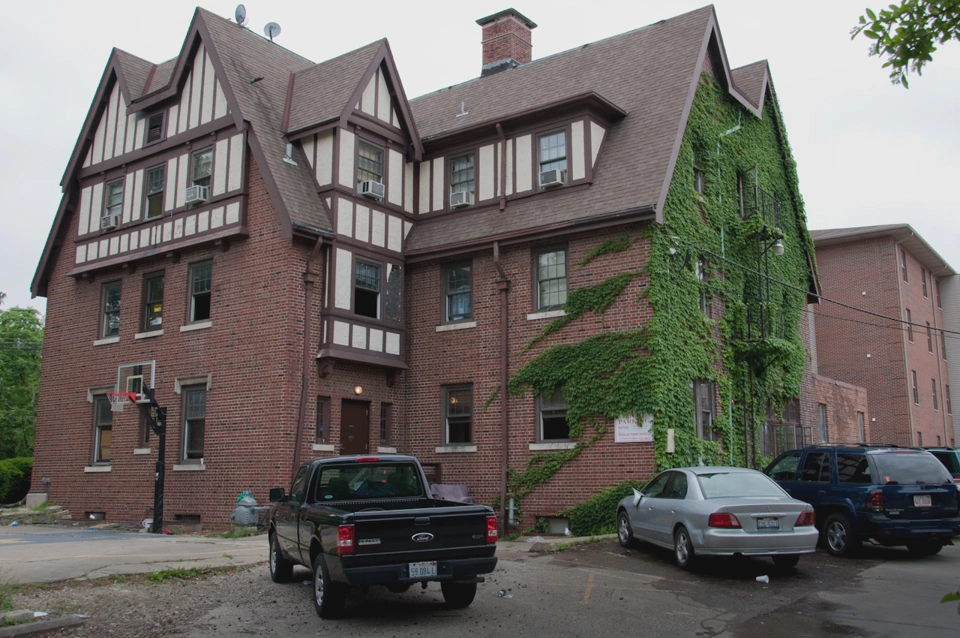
855 444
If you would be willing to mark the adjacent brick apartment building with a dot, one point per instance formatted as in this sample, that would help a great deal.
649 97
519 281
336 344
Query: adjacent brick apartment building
302 262
900 352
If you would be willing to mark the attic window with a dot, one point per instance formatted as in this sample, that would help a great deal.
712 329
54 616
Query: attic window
698 182
154 128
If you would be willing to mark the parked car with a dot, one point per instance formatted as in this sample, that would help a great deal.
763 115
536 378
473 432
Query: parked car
718 511
950 457
892 495
367 520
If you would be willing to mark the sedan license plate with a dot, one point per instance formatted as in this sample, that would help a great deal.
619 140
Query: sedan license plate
922 500
423 570
768 523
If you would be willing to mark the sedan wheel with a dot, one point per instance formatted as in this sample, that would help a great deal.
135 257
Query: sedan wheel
786 561
624 531
683 548
839 536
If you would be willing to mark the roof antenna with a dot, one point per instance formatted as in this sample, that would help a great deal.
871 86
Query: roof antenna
272 30
463 110
240 15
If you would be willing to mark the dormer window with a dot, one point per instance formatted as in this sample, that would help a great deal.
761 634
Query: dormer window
552 159
370 166
462 181
202 167
154 128
113 204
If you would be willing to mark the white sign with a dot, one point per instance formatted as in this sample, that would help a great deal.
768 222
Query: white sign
627 430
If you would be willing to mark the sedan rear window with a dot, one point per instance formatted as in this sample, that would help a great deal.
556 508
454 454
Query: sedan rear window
722 485
908 468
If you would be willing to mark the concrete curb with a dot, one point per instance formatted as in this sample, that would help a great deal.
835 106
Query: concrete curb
27 629
551 543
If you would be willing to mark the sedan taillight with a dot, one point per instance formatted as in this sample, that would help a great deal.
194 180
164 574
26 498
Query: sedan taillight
806 519
723 520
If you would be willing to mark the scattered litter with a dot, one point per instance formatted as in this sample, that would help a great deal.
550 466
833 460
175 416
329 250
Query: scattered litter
503 594
14 524
763 579
167 532
39 614
566 531
535 539
308 582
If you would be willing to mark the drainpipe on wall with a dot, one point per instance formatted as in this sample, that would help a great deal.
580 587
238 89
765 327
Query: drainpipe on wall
903 339
503 285
310 278
938 350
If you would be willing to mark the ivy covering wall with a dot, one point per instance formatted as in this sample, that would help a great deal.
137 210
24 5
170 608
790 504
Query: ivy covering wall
751 348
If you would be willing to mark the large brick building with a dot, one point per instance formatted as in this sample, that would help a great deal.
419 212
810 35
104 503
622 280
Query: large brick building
301 262
898 350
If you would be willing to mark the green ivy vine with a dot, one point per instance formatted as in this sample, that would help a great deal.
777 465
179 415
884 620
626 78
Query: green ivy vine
651 369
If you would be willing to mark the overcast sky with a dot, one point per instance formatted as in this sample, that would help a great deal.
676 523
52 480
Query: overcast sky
868 152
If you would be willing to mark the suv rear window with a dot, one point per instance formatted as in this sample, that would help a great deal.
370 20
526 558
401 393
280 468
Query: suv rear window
910 468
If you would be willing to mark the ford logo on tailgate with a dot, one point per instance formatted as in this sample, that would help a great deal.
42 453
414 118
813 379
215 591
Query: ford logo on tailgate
422 537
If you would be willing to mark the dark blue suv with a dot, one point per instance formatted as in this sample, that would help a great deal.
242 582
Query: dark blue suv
895 496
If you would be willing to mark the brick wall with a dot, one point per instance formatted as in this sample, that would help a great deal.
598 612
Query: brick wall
844 402
507 38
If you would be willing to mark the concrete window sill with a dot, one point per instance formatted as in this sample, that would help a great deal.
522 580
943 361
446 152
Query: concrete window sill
558 445
147 335
322 447
456 326
97 468
547 314
189 467
200 325
141 450
106 340
454 449
386 450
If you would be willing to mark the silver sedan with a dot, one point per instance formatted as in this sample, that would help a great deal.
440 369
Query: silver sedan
718 511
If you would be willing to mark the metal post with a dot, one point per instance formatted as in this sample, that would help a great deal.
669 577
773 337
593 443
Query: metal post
158 424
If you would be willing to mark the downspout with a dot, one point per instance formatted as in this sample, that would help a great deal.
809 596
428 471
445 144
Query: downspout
903 340
938 350
310 278
503 179
503 285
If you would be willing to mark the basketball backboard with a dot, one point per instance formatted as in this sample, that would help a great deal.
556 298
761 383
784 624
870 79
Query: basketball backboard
136 377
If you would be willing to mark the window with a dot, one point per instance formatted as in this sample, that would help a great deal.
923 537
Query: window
553 151
370 166
366 290
698 181
458 292
860 431
202 167
457 413
323 419
943 345
916 392
909 326
929 338
946 398
936 285
853 468
823 421
903 265
920 439
704 293
786 468
154 128
153 302
299 488
200 277
933 387
816 467
923 281
194 416
386 422
110 312
551 273
938 440
103 429
677 488
156 179
654 488
703 402
462 174
553 417
113 202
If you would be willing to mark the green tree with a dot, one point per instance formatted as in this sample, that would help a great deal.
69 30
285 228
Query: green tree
21 338
908 34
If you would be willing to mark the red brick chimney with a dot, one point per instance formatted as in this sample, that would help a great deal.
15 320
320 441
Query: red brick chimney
507 41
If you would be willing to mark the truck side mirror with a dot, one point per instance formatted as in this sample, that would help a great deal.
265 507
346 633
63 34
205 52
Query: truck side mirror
277 494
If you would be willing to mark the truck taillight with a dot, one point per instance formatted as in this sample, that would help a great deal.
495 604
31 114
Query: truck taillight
723 520
875 501
491 529
345 537
806 519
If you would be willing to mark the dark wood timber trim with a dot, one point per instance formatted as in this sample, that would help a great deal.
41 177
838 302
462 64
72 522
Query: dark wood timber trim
382 361
288 103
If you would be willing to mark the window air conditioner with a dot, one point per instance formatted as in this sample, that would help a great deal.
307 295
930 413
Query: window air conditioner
371 189
108 222
556 177
197 194
459 200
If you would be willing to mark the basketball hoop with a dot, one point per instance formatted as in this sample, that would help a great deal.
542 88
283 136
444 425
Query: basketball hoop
119 399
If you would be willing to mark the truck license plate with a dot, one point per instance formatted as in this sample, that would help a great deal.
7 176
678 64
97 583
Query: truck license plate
423 570
922 500
768 523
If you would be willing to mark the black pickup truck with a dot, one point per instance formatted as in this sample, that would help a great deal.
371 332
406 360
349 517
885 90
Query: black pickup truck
366 520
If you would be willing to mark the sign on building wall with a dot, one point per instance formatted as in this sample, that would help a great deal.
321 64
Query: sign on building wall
627 430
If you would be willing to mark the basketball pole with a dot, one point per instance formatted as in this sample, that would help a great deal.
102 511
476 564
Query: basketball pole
158 424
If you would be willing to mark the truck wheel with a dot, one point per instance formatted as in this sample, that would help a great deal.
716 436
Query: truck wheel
329 598
838 535
458 595
281 569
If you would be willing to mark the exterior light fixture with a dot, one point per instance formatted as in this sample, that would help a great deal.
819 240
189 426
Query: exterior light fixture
778 248
358 390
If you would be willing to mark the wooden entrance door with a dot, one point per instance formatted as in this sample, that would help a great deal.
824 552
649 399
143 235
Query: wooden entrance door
354 427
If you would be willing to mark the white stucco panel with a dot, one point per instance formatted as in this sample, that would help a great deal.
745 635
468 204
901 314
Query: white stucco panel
486 173
378 228
376 340
341 333
220 155
235 174
347 141
203 221
182 167
596 138
81 254
96 207
216 217
83 215
359 337
395 234
393 343
170 189
524 166
408 187
438 174
233 213
220 108
137 196
206 106
367 101
345 217
363 223
424 204
344 270
124 243
308 144
383 97
577 151
325 158
128 191
395 176
190 227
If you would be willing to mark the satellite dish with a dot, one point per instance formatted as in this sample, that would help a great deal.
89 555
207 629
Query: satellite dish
240 14
272 30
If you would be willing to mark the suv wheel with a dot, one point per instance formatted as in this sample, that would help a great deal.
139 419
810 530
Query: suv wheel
838 535
925 548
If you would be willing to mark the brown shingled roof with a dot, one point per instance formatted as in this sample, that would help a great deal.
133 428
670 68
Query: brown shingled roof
135 71
650 73
750 80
